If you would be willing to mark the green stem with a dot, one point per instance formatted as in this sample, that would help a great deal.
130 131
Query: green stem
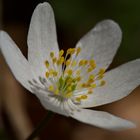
41 126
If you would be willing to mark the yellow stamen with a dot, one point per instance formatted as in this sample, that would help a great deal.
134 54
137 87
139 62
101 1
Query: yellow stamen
51 71
68 95
61 53
85 62
78 99
55 73
68 62
51 88
69 88
73 63
101 71
69 71
56 91
78 78
92 62
54 60
60 60
71 78
100 76
81 62
90 69
90 81
93 85
84 85
47 63
102 83
68 51
91 76
72 50
84 97
51 54
47 74
78 50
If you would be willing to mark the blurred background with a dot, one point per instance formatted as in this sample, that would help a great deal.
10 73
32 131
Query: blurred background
20 111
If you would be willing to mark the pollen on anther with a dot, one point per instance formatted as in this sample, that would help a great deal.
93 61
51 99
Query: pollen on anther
90 69
51 54
93 85
47 74
55 73
56 91
72 76
51 88
81 62
78 50
61 53
47 63
84 97
78 99
54 60
71 51
73 63
78 78
68 62
68 95
102 83
101 71
69 71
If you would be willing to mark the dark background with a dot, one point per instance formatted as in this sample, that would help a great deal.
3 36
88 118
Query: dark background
76 17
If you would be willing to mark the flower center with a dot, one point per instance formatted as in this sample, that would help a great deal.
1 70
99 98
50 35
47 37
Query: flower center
69 75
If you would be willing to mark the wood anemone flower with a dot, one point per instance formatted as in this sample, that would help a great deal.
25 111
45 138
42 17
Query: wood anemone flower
69 82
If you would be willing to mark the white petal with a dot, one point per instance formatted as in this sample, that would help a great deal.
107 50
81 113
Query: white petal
51 104
119 83
101 43
42 37
102 119
15 60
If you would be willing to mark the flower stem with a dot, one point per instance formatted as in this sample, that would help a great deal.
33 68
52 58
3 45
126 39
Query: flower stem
43 123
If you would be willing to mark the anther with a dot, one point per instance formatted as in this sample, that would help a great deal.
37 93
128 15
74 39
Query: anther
73 63
101 71
61 53
78 50
84 97
78 99
47 63
68 62
69 71
51 54
54 60
102 83
68 95
51 88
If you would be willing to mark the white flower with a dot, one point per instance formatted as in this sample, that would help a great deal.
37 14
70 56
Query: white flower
67 85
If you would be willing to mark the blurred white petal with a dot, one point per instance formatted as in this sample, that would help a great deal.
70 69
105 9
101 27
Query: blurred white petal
15 60
41 37
101 43
120 82
102 119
